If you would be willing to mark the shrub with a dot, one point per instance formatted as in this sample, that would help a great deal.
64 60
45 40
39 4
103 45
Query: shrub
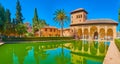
117 42
36 38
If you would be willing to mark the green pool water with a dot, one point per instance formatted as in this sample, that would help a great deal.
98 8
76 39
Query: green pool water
52 53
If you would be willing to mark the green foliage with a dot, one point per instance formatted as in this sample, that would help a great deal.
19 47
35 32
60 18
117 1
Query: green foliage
37 23
21 29
101 47
37 38
117 42
60 17
19 16
7 24
2 18
119 15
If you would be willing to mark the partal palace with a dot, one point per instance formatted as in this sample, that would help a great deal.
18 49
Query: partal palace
82 28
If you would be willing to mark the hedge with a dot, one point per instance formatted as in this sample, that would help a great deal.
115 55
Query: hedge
117 42
36 38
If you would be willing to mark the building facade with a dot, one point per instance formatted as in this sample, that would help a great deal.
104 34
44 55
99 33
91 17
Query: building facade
49 31
91 29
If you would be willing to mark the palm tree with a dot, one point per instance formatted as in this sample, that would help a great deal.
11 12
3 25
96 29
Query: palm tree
60 17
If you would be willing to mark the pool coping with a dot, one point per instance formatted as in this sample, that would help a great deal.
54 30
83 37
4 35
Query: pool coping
1 43
113 55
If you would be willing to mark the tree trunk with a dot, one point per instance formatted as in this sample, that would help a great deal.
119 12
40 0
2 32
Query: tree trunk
39 32
62 29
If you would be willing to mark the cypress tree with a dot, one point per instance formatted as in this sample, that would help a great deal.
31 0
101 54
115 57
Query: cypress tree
19 16
8 16
35 20
2 19
7 25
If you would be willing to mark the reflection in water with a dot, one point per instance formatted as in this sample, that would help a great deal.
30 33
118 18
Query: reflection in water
15 59
30 59
76 52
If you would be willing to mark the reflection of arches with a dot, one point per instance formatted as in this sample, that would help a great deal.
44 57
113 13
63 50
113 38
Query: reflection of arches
96 35
86 34
110 33
93 29
79 33
102 33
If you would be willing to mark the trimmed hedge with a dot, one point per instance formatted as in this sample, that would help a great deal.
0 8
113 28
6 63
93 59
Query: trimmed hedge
36 38
117 42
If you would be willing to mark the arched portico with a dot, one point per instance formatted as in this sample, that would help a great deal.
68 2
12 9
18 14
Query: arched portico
95 32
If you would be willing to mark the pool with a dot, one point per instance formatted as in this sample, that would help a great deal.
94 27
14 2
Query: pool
75 52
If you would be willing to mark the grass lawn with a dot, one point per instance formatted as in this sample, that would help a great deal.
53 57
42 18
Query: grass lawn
117 42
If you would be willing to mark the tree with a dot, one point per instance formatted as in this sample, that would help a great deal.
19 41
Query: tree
38 23
13 27
35 21
19 16
119 17
21 29
2 19
61 18
7 25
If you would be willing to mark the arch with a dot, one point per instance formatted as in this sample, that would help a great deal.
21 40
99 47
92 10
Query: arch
95 35
102 33
109 33
86 33
93 29
79 33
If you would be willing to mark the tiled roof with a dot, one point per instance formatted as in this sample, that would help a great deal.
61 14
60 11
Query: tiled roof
79 10
100 21
97 21
49 27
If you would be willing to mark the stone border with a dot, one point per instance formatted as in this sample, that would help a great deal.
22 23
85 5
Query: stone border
113 55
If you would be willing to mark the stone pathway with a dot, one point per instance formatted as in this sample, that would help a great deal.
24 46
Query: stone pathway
1 43
113 55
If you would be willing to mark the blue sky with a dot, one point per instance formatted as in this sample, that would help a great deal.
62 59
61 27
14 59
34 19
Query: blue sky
96 8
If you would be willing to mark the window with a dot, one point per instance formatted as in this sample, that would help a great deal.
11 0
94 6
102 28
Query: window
80 20
50 30
80 16
46 29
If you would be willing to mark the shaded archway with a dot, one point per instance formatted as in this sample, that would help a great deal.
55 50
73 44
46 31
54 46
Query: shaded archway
110 34
86 34
96 35
79 33
93 29
102 33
